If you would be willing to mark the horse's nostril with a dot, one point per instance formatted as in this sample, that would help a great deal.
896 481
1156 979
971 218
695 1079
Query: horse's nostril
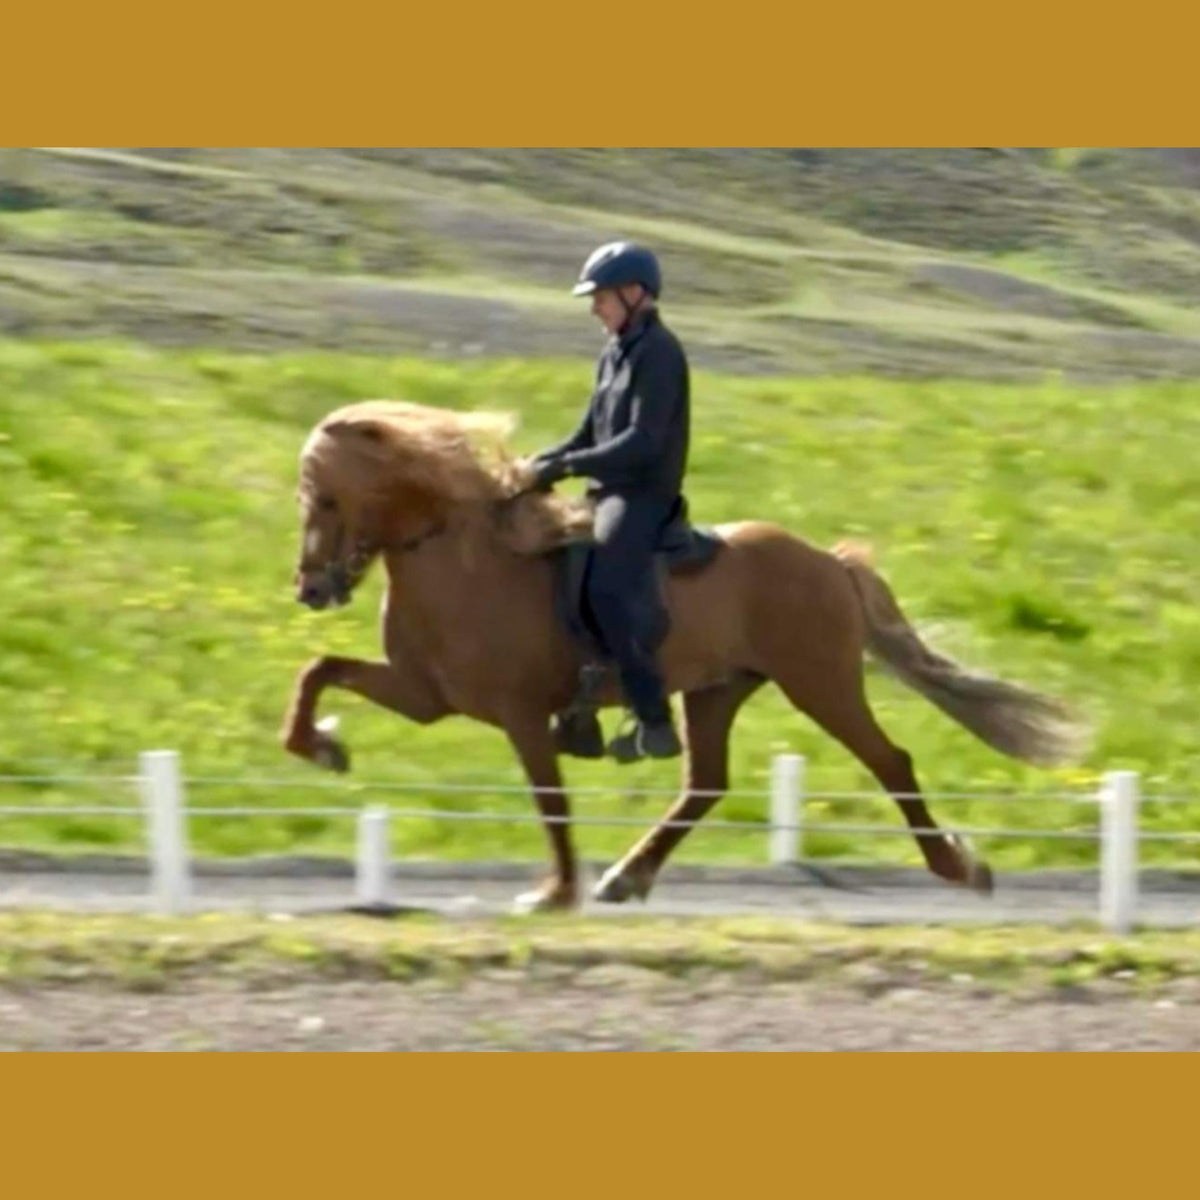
309 594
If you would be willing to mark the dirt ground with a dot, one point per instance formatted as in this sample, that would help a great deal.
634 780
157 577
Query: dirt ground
605 1008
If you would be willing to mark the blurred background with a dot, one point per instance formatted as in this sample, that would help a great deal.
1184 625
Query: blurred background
986 362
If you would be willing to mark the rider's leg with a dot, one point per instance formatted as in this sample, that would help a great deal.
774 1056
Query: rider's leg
621 593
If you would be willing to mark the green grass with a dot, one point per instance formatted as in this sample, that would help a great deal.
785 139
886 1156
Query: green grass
152 954
148 535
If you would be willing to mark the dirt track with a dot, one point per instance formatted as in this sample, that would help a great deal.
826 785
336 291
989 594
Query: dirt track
605 1008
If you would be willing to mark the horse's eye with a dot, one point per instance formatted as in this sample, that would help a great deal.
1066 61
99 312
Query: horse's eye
326 503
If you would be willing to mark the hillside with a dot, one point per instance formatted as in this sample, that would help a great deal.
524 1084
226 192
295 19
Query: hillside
1002 264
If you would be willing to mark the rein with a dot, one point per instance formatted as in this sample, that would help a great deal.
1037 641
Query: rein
362 554
406 544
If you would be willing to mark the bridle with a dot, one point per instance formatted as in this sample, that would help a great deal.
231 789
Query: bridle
345 574
435 528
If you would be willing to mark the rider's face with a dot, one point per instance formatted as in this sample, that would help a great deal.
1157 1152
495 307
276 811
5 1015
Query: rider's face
608 309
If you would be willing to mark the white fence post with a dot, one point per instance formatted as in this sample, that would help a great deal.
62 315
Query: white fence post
1119 797
787 813
161 785
372 868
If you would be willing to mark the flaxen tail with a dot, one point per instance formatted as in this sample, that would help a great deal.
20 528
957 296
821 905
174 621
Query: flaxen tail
1012 719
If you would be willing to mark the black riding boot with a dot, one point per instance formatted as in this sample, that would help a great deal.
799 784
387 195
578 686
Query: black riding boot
576 728
578 734
647 739
653 734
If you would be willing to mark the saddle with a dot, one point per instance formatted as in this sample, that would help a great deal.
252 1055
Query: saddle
682 549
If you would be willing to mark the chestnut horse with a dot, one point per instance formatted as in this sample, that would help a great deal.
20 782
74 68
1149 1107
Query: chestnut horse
469 627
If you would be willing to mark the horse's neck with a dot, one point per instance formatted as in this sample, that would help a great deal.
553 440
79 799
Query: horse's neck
450 575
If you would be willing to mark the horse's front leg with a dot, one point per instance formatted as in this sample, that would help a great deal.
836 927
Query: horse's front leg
406 692
533 741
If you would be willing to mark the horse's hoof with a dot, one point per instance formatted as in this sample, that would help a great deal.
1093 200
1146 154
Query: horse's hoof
331 754
620 883
980 878
549 898
970 871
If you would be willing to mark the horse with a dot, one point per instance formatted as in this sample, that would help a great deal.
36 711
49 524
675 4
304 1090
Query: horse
469 627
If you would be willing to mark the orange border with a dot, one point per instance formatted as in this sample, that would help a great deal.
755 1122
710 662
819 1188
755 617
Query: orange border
533 72
544 1125
542 74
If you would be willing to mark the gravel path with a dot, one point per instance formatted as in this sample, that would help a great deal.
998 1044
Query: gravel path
852 895
605 1008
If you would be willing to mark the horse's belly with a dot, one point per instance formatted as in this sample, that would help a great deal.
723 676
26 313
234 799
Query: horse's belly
706 641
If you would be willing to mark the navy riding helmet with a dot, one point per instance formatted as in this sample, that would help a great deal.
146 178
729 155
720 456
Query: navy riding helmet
616 264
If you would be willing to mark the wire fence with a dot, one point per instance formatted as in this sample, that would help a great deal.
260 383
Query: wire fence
587 820
789 809
498 787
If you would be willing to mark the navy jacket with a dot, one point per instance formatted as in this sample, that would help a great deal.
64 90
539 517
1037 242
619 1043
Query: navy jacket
634 436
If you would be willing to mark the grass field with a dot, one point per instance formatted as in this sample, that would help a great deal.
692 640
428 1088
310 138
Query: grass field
1047 532
155 954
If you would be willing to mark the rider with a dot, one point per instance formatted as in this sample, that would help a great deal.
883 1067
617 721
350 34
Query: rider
633 445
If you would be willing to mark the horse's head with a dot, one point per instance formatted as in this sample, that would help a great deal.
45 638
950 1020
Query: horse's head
387 475
341 502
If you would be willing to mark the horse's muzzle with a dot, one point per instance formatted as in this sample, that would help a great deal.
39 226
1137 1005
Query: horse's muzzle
313 595
318 591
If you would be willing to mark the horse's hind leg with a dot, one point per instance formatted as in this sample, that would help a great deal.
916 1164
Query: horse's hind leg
709 716
836 699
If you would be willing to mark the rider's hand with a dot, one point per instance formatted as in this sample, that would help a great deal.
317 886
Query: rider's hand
546 472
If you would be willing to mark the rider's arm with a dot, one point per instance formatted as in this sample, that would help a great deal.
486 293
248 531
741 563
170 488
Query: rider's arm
654 408
579 440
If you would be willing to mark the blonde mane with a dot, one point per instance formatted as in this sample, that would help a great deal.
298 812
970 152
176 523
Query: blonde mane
453 458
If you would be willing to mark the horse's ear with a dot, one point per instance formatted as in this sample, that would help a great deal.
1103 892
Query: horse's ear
368 430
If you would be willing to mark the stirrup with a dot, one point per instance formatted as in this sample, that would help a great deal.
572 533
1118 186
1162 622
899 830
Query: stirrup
624 747
576 728
630 746
660 740
577 732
